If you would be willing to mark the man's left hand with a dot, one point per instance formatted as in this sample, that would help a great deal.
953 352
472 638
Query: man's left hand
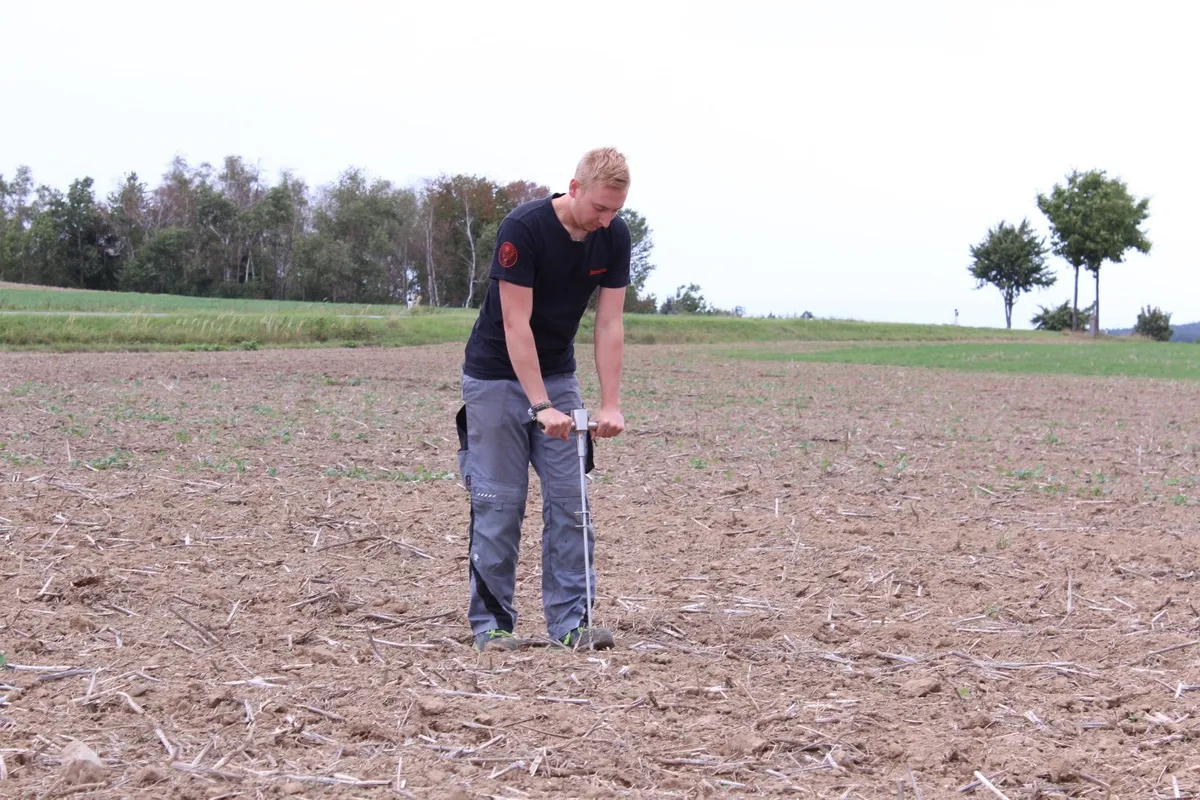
609 423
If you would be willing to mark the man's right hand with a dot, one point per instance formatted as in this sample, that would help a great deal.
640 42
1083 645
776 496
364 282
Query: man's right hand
555 423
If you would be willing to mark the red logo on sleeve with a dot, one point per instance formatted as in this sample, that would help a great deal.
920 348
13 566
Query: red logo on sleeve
508 254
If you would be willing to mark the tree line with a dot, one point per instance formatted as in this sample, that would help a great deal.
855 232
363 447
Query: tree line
233 232
1094 220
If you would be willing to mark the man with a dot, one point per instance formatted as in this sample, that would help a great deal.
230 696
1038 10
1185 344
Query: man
519 387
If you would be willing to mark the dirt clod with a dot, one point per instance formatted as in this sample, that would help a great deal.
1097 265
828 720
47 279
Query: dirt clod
745 744
920 687
432 706
80 764
148 776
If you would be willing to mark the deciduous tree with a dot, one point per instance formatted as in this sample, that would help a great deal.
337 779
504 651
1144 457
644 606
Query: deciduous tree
1094 219
1013 259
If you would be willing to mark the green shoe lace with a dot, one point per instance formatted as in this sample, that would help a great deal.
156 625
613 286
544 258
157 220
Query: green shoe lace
594 637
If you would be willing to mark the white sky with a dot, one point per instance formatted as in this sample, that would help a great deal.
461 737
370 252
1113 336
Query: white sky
832 157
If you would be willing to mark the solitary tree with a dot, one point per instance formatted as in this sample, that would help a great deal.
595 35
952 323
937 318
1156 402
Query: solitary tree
1013 259
1094 219
1154 323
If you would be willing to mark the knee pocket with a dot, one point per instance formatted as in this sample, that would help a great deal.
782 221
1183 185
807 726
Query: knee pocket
496 512
495 531
562 505
492 561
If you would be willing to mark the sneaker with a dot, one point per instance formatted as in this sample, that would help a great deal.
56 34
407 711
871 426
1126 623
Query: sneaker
496 640
588 639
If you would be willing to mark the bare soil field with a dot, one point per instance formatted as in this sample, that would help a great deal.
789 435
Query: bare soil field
243 575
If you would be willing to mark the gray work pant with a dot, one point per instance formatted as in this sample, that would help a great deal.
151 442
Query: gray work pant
495 450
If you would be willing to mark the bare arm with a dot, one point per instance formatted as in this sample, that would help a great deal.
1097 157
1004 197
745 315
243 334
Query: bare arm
516 306
610 351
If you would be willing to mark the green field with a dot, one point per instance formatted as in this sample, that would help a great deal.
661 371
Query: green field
1106 357
39 299
216 330
62 320
659 329
55 319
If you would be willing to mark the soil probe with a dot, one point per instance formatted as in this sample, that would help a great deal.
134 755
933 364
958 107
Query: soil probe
582 426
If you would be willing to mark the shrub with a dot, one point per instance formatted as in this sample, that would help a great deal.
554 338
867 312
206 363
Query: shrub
1154 324
1059 319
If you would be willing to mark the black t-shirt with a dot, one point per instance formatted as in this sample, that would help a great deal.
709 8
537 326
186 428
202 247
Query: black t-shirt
534 249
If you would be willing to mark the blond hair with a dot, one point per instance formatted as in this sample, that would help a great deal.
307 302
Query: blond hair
604 166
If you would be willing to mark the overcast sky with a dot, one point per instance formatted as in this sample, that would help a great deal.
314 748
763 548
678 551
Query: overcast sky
838 158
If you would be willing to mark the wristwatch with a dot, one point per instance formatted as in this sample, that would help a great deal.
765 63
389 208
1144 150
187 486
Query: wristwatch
533 410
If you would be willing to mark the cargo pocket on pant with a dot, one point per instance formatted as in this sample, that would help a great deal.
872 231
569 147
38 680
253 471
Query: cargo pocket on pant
496 514
561 514
460 421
